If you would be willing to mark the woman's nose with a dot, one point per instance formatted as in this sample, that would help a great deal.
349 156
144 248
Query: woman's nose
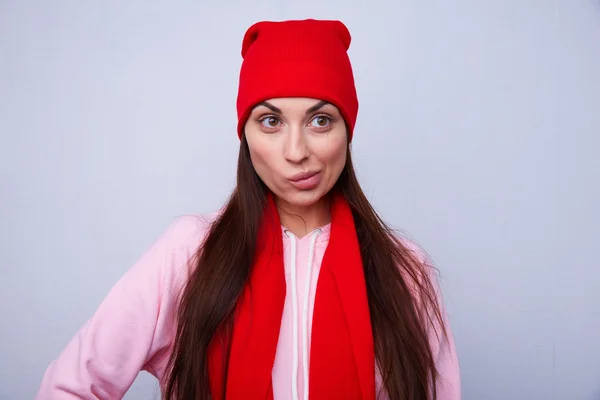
296 149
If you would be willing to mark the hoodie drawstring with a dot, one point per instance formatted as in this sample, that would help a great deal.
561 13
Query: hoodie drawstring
305 338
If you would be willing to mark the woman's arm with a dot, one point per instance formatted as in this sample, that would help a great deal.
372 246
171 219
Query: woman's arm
444 350
135 322
448 386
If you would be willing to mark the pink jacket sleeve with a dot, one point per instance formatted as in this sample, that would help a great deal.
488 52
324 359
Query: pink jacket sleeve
449 384
133 325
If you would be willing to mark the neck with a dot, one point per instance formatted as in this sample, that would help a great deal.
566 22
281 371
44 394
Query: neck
301 220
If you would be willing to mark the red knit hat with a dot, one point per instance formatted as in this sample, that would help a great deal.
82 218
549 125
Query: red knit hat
306 58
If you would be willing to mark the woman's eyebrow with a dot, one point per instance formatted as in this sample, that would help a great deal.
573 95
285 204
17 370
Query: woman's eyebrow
276 110
314 108
270 107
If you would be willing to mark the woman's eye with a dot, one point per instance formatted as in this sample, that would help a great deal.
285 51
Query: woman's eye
270 122
320 121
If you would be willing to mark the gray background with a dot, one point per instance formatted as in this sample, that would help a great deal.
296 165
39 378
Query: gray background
478 134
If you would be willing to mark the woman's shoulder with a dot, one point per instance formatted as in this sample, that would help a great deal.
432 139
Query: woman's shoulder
425 273
189 230
416 250
172 254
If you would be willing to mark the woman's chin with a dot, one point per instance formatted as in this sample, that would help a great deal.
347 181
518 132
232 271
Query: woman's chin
302 198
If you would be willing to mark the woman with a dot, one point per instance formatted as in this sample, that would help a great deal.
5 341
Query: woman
294 287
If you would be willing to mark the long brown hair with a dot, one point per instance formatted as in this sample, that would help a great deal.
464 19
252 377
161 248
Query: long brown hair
402 298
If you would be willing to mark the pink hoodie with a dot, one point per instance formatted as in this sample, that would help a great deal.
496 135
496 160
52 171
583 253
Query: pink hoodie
134 326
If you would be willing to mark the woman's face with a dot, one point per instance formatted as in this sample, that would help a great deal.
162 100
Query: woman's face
298 147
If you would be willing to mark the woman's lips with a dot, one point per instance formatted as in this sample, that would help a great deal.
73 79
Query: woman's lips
306 180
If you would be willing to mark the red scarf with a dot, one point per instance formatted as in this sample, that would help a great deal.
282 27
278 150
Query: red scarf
342 362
